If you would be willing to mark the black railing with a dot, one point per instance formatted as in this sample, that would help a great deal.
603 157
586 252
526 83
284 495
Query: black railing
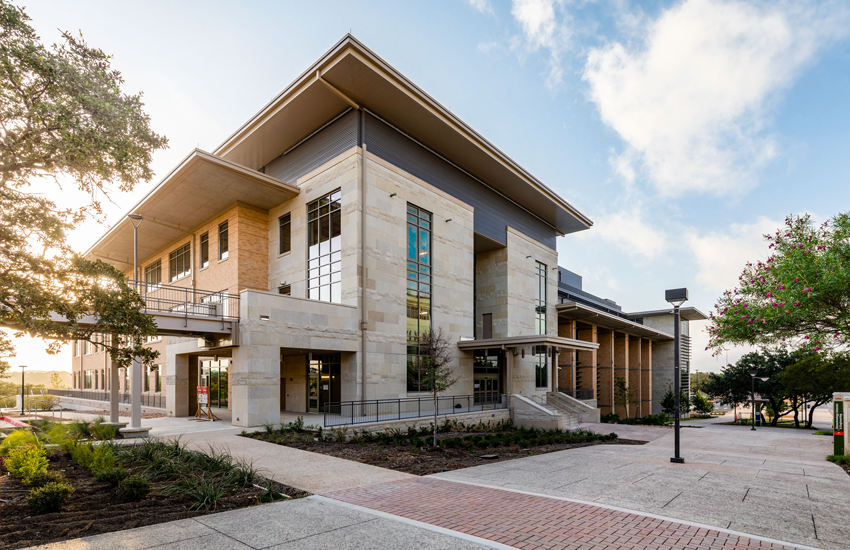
189 302
156 400
382 410
582 394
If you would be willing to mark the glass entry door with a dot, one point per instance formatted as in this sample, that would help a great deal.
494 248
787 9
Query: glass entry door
324 381
488 374
213 374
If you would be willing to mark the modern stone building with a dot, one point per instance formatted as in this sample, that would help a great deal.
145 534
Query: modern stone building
333 229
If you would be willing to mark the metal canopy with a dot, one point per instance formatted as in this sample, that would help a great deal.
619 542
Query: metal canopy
200 187
533 340
351 75
580 312
686 313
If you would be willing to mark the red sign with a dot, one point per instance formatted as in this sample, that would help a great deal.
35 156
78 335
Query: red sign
203 395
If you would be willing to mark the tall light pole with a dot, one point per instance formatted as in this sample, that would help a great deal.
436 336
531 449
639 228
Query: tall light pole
753 373
136 220
23 391
676 297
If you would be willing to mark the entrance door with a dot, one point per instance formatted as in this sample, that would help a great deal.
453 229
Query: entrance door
324 374
283 394
488 369
313 392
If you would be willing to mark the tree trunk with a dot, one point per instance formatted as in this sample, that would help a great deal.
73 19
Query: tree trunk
435 419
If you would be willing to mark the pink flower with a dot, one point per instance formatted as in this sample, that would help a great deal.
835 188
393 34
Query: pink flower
797 280
782 287
749 322
769 295
806 337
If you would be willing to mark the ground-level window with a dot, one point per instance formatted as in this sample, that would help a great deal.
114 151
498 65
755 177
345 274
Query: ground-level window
541 376
286 290
418 294
324 248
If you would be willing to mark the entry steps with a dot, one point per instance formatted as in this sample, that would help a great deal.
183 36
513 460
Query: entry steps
574 412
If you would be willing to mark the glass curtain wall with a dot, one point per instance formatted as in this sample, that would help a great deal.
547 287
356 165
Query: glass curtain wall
418 293
324 251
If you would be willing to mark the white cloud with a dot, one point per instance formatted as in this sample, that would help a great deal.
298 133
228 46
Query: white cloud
482 6
721 255
545 24
690 96
629 230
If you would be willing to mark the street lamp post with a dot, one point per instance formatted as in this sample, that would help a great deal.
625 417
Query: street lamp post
677 297
136 384
23 390
753 373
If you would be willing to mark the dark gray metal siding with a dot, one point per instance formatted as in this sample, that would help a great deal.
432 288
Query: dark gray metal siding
493 213
335 139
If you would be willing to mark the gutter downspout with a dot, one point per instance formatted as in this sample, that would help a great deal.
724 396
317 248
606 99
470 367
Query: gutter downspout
363 255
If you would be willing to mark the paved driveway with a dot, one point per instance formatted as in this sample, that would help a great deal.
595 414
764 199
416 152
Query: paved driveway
773 482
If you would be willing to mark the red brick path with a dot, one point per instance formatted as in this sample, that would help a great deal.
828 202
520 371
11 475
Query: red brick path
532 522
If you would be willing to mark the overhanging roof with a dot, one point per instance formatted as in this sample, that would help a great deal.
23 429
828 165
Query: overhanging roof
686 313
200 187
533 340
582 312
351 75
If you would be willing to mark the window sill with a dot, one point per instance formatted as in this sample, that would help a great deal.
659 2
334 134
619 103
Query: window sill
224 259
203 268
284 254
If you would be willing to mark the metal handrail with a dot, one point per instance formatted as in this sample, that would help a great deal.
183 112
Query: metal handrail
341 413
582 394
155 400
187 301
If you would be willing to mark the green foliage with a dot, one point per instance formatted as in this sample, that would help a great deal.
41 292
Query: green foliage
80 428
668 402
56 433
622 393
103 432
839 459
26 461
43 477
269 494
648 420
824 433
83 454
112 476
18 438
701 404
133 488
799 293
102 459
814 379
64 117
50 497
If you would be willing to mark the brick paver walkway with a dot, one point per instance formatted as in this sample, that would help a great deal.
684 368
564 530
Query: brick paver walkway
531 522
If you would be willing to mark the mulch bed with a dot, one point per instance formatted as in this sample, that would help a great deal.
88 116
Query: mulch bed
94 508
428 460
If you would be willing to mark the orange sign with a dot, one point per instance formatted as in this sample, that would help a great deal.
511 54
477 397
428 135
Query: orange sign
203 395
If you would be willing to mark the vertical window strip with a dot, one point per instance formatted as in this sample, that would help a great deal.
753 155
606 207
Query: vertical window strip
419 281
205 250
541 374
153 274
179 263
540 300
223 244
285 234
324 248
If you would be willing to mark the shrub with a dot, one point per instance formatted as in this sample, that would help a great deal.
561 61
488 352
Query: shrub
112 476
18 438
610 418
24 462
43 477
80 428
57 434
83 454
206 492
102 459
133 488
837 459
104 432
50 497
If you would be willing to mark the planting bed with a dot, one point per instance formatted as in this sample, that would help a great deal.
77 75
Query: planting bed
420 458
95 508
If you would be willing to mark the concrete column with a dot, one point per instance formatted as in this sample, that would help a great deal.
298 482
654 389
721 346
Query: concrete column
587 360
113 395
136 397
646 377
605 371
177 385
255 378
566 371
621 369
662 371
634 374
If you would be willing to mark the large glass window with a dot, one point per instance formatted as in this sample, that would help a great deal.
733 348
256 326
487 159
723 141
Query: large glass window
540 301
418 293
205 250
541 373
223 245
285 234
180 262
213 374
324 252
153 274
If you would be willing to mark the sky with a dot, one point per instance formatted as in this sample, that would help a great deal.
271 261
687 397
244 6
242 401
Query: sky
684 129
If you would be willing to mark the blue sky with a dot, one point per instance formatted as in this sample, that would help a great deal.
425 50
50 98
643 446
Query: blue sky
684 129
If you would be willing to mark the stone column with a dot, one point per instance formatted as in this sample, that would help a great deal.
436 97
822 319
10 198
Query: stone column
113 396
566 372
621 370
646 377
587 360
605 371
177 385
255 378
135 428
634 375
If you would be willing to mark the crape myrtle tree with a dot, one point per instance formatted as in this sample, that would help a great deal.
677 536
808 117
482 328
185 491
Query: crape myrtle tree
64 121
800 294
438 373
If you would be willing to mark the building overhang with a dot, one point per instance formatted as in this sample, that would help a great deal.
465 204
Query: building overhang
686 313
200 187
350 75
522 341
581 312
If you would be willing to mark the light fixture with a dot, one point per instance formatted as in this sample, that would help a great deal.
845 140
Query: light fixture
676 296
264 317
448 220
393 195
527 257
